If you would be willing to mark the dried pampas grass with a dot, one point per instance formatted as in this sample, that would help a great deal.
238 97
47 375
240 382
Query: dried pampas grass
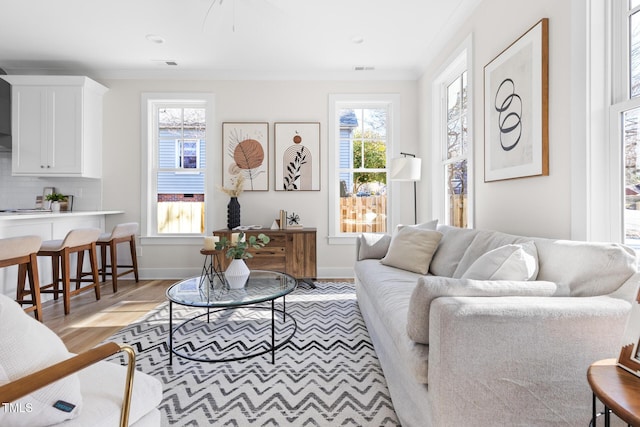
237 186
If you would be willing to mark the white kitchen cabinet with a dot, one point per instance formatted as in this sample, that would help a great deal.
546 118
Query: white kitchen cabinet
56 126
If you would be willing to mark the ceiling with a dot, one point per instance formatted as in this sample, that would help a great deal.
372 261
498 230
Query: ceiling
227 39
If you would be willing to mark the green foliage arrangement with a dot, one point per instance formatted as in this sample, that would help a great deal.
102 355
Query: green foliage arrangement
238 250
56 197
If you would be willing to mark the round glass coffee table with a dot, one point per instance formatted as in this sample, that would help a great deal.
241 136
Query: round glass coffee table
230 315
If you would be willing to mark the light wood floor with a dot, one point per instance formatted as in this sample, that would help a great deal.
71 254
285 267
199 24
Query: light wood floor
91 322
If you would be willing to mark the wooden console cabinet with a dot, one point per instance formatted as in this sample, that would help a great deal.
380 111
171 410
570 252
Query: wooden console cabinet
291 251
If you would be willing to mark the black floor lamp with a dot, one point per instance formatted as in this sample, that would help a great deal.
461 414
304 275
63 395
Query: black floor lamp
407 168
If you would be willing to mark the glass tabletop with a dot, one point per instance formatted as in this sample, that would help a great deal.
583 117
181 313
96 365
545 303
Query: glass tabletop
205 291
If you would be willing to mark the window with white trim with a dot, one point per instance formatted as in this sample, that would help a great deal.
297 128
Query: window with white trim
175 162
361 131
452 180
625 120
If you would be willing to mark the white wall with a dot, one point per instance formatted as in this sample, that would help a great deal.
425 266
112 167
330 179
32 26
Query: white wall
537 206
270 101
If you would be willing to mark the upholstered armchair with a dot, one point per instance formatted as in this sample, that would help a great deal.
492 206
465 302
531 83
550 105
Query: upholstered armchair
42 384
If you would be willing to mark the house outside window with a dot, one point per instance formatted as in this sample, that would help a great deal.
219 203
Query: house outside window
175 184
361 131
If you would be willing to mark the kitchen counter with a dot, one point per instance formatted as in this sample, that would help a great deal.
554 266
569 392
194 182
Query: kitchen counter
51 215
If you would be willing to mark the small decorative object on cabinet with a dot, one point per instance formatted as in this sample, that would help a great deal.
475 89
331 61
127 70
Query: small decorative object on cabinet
57 126
291 251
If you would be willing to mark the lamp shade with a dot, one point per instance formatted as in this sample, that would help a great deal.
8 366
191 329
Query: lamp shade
405 169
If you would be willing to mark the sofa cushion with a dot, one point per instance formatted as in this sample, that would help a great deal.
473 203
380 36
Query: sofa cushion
483 242
451 248
429 225
586 268
28 346
429 288
508 262
412 249
384 293
373 245
376 245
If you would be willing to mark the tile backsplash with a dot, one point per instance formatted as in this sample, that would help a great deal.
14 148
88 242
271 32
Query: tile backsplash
20 192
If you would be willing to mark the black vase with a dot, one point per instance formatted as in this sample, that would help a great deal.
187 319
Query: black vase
233 213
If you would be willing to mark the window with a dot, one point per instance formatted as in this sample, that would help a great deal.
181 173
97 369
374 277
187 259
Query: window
451 144
625 122
175 164
187 153
361 130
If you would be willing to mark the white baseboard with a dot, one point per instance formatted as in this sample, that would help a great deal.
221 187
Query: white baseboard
182 273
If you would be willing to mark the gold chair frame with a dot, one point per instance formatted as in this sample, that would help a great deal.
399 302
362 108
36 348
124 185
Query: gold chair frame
28 384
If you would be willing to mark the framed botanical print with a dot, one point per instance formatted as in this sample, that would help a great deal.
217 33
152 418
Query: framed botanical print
245 153
297 156
516 142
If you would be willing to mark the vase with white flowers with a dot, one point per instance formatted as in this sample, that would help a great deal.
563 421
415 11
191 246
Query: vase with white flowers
236 248
233 208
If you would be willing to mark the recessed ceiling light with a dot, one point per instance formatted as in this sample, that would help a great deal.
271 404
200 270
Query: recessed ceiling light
364 68
154 38
357 39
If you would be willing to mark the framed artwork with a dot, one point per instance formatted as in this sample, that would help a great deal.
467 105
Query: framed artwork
516 87
245 153
629 358
297 156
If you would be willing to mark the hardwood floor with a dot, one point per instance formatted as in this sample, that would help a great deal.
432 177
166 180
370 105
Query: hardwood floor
91 322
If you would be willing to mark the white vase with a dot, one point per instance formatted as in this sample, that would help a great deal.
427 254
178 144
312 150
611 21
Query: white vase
237 274
55 206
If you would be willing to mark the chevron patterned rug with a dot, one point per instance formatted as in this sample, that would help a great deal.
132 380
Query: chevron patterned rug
326 375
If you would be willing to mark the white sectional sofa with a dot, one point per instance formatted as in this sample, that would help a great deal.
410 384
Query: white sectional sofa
508 349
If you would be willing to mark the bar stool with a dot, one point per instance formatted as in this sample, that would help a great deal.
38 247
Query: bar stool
21 251
76 241
121 233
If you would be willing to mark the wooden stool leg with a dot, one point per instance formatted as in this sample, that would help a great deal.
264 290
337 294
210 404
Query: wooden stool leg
93 258
22 275
134 257
66 281
79 265
34 282
103 260
55 275
114 265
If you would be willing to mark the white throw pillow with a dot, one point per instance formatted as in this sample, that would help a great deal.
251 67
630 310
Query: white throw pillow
508 262
412 248
28 346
